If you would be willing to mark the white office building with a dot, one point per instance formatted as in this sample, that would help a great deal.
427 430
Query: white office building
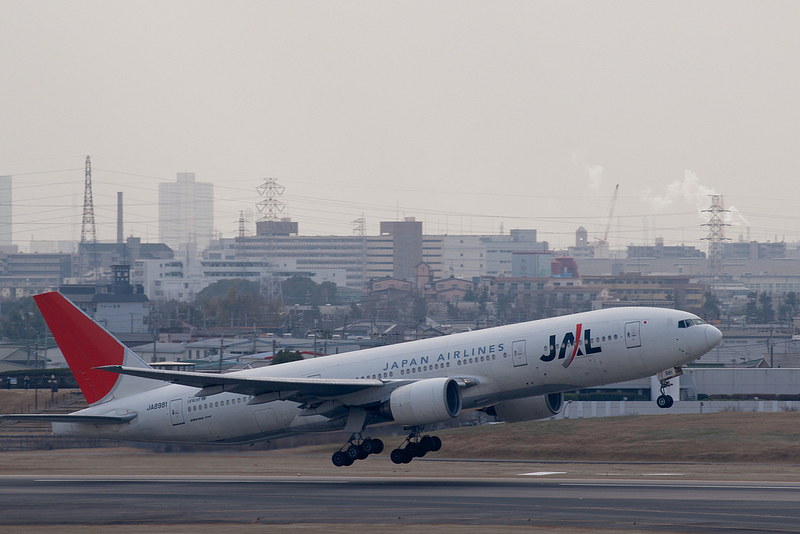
186 215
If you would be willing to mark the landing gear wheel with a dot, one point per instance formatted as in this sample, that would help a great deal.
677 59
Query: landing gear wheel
413 449
664 401
415 446
353 452
339 459
372 446
426 443
398 456
367 446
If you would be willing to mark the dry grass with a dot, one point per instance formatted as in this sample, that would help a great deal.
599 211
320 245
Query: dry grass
716 437
720 437
23 401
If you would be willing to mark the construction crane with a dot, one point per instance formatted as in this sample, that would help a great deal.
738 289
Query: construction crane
604 240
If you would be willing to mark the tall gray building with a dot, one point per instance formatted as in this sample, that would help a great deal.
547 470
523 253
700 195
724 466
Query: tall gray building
186 214
5 211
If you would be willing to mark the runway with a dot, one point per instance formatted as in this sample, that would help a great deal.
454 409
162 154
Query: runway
650 505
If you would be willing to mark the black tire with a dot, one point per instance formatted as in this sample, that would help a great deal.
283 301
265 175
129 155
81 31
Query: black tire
426 443
339 459
353 452
412 449
670 401
663 401
397 456
378 445
437 443
368 447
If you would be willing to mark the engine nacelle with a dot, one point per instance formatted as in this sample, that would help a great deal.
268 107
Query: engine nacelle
424 402
529 408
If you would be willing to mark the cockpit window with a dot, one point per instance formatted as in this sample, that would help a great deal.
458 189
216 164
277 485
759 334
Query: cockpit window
686 323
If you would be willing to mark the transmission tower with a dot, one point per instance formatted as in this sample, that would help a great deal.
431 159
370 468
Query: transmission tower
716 234
87 256
270 206
360 226
360 231
88 228
270 287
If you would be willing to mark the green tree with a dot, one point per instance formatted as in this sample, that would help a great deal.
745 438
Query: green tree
452 310
419 310
20 319
220 289
234 309
324 293
711 309
505 307
792 302
766 313
283 356
355 312
483 298
751 307
298 290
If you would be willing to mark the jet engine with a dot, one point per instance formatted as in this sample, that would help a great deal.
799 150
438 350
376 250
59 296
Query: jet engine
424 402
528 408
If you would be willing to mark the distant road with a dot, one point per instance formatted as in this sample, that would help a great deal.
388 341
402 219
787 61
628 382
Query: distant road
651 505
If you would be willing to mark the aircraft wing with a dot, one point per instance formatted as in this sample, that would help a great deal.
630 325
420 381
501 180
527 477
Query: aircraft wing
211 383
67 418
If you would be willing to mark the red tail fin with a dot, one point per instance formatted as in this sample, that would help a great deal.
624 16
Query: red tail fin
84 343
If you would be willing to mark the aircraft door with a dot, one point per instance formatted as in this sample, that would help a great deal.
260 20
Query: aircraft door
632 335
518 355
176 411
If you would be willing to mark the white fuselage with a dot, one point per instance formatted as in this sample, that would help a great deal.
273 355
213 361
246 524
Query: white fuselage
503 363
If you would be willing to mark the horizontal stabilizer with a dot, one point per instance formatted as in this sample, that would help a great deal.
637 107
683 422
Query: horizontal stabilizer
249 385
68 418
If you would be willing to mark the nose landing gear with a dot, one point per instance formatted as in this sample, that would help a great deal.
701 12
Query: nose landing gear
664 400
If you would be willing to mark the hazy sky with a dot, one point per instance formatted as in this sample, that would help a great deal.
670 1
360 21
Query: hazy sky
466 115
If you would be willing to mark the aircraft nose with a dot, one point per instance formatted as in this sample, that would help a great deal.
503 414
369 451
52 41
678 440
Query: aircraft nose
713 336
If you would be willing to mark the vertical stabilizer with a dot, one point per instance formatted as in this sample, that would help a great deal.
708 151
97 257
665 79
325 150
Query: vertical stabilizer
87 345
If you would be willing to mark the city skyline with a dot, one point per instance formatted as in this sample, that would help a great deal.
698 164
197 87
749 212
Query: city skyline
465 115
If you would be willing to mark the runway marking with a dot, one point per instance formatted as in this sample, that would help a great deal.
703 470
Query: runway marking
679 485
662 474
542 473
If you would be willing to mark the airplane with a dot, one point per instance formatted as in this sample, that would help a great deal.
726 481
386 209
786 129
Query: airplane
517 372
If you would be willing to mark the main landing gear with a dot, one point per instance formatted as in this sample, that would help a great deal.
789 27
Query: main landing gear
415 446
664 400
356 449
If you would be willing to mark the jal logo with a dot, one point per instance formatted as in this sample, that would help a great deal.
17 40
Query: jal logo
568 343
